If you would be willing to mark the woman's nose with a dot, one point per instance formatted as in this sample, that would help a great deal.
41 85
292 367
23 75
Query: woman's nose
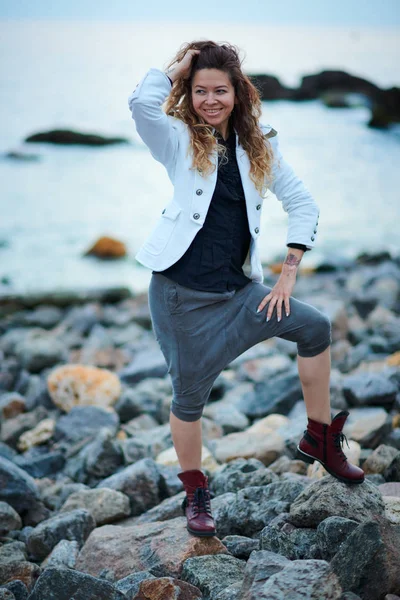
210 98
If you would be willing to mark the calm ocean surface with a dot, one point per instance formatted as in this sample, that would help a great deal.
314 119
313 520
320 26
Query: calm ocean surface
79 76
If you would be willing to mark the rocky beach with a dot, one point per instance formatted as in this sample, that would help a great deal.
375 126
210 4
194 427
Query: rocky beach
90 501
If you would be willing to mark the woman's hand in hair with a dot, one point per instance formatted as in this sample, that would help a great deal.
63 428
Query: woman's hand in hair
182 68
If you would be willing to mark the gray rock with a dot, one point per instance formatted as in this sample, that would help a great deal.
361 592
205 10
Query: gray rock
12 552
278 395
130 585
11 429
128 405
81 319
233 592
103 456
351 596
392 439
240 546
42 316
252 508
241 473
167 509
39 350
392 473
6 594
83 421
353 358
212 574
329 497
259 568
43 465
363 389
379 460
227 416
63 584
18 488
18 589
63 555
149 363
285 539
141 482
170 481
106 506
7 452
368 426
55 495
74 525
331 533
9 518
146 444
149 397
311 579
367 562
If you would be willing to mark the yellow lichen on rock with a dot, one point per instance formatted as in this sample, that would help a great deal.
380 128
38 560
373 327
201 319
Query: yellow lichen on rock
81 385
394 360
38 435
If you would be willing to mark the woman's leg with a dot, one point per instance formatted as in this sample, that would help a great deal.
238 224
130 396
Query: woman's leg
314 373
186 437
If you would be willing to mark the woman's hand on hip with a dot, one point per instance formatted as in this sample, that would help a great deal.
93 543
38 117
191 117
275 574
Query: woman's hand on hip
279 296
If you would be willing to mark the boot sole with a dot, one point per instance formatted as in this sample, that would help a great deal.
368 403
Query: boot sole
201 533
310 459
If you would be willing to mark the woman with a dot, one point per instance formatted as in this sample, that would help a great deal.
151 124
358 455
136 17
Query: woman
205 309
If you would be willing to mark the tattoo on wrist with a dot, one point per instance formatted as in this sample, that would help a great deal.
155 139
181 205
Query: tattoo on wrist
292 260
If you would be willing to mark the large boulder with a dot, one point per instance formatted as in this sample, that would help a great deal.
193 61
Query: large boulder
329 497
367 563
64 584
74 525
161 548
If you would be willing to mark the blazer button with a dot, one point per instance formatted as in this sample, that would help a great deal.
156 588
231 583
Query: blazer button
199 192
315 231
312 238
196 216
256 230
258 206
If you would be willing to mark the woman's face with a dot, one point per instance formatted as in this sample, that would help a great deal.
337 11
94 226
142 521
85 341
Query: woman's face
213 97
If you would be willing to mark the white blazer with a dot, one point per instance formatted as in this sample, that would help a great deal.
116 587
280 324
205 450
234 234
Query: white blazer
168 140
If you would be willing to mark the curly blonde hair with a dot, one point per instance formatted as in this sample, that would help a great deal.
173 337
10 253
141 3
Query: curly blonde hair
244 117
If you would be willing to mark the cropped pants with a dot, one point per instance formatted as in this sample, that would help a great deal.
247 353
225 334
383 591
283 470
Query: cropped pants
200 333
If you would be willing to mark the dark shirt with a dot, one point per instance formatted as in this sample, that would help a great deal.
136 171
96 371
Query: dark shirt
214 259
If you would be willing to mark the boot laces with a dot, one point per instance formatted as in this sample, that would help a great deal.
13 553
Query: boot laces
200 501
338 439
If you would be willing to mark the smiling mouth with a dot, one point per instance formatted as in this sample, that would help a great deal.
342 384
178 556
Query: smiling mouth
213 111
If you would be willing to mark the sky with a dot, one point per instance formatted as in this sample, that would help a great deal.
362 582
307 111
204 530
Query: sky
374 13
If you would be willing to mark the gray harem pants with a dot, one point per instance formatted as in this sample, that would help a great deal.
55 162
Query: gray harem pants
200 333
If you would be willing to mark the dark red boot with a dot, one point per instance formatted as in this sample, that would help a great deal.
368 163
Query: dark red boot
323 442
196 505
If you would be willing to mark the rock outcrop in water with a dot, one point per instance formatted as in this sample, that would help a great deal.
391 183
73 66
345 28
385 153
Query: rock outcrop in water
68 137
384 104
89 494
